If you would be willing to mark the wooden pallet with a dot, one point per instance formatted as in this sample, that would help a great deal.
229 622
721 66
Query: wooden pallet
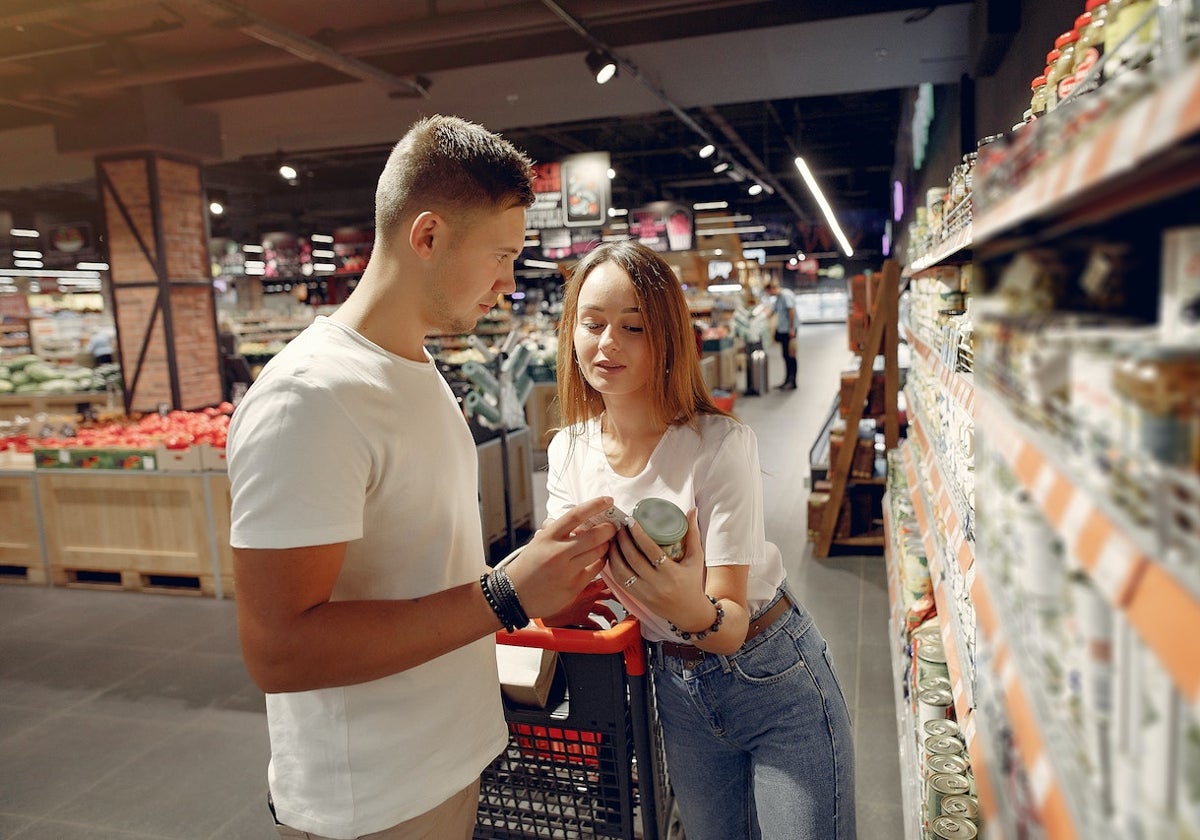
130 580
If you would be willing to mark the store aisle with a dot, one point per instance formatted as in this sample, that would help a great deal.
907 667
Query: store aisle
127 715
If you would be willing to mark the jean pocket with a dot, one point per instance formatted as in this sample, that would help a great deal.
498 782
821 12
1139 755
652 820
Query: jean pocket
773 660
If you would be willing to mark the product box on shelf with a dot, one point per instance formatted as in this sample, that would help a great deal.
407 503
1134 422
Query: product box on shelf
212 458
180 460
79 458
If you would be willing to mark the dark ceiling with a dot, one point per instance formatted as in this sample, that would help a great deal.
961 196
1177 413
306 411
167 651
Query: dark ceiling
766 80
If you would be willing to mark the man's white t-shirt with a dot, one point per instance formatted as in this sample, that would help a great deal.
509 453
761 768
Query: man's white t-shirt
340 441
714 469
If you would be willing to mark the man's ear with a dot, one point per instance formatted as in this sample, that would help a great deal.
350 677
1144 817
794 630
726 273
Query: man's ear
426 229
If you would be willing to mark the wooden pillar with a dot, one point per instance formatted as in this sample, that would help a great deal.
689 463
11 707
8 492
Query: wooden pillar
162 294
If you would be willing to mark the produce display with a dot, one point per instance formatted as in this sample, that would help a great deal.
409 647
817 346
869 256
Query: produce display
29 374
185 439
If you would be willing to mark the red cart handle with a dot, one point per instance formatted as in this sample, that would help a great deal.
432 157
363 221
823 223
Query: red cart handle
623 637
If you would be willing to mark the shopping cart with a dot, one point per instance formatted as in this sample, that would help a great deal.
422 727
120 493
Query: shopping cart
592 765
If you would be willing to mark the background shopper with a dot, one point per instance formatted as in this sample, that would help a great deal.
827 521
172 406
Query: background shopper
356 529
786 323
756 729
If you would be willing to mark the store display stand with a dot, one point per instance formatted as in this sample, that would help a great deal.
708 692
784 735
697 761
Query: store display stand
882 339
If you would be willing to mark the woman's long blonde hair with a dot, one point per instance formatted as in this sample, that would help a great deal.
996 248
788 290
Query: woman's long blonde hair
668 331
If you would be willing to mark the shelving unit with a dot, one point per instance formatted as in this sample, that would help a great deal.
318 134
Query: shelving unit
1050 760
881 339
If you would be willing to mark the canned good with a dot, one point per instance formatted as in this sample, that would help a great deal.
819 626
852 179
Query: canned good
664 523
941 763
938 787
941 727
933 703
943 745
961 805
933 682
953 828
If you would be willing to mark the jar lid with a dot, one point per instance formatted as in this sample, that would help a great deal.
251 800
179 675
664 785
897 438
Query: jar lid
1052 57
1038 82
662 521
1066 38
1092 5
1082 21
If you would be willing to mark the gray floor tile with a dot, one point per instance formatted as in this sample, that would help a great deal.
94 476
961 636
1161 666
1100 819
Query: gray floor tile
251 822
11 825
77 672
57 830
16 719
51 763
176 688
77 615
880 821
182 787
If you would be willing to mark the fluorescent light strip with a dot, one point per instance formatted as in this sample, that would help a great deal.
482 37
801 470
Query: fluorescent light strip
720 231
815 188
46 272
321 237
540 264
710 205
25 233
725 287
29 264
27 255
323 253
712 220
92 266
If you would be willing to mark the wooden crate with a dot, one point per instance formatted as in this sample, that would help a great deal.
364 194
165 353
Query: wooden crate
21 558
219 498
139 531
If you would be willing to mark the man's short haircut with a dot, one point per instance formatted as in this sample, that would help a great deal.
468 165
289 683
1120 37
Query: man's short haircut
447 164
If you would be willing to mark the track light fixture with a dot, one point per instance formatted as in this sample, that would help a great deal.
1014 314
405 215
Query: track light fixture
706 151
755 189
602 65
288 172
721 167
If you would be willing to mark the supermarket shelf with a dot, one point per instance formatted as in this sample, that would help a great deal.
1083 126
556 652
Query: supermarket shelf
1135 158
960 385
954 248
958 545
861 541
911 791
1116 554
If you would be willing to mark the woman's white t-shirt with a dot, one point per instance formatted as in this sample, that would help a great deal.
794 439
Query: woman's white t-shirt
340 441
713 468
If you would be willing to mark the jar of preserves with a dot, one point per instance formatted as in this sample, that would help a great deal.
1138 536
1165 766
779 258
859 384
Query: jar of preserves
1124 17
1051 89
1090 48
664 523
1037 104
1060 74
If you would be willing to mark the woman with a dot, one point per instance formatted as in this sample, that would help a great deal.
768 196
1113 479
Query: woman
756 730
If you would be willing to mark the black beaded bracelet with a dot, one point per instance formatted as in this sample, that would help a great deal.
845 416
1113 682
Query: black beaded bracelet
508 597
502 598
699 635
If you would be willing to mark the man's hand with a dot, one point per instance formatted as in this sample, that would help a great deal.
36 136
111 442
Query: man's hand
562 558
590 602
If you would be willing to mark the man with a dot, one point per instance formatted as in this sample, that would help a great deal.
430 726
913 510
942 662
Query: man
785 330
363 612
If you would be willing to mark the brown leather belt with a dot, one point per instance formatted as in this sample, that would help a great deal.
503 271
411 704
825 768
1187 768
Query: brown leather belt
691 655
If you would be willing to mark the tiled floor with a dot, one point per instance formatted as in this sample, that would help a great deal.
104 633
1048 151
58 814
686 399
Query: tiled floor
130 715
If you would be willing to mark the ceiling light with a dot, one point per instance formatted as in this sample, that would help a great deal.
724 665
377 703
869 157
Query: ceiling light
721 167
602 65
710 205
815 188
216 208
612 173
288 172
24 233
755 189
617 211
706 151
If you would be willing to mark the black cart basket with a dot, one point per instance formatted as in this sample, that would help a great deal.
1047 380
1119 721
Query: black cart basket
590 766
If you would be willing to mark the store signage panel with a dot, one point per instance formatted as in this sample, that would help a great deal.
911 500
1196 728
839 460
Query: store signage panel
663 226
571 201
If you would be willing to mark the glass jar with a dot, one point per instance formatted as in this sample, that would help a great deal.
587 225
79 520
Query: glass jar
1163 406
1038 103
1090 48
664 523
1051 89
1060 74
1123 18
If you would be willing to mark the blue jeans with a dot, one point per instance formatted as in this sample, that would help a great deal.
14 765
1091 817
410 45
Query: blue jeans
758 743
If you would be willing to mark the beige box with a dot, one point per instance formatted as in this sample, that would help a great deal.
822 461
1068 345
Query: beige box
180 460
526 673
212 458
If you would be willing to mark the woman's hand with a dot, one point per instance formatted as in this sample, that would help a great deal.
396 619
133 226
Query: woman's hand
590 602
668 587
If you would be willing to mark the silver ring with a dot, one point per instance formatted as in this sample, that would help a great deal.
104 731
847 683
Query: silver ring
662 558
632 580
